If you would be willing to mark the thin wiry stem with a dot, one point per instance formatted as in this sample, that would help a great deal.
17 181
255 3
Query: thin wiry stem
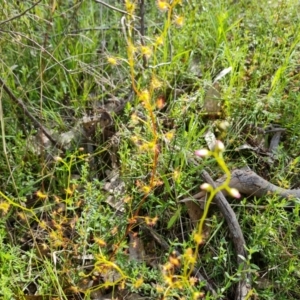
20 14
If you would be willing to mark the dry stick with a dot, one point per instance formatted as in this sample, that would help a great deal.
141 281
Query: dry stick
20 103
142 30
243 286
20 14
115 8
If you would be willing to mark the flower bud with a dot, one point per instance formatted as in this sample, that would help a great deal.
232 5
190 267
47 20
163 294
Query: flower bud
206 187
202 152
219 146
234 193
224 125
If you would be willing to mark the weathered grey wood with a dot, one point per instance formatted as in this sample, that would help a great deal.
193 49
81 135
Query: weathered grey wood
249 183
244 285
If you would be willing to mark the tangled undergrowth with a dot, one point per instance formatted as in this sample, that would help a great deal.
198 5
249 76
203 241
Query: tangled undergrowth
104 107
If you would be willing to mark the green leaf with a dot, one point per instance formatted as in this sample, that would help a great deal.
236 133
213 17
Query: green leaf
174 218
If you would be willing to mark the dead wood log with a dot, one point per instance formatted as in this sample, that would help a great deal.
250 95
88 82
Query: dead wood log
244 285
249 183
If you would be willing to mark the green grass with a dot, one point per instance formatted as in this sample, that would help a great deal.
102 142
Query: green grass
59 59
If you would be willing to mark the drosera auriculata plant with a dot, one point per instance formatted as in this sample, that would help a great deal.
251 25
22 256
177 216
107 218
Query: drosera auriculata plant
188 260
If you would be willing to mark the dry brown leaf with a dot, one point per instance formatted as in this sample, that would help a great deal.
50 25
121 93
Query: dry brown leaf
194 210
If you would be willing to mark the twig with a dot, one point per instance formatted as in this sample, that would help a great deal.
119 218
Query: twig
115 8
41 48
243 286
142 29
20 14
21 104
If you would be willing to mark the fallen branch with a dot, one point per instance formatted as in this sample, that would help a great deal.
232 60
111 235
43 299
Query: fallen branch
243 286
249 183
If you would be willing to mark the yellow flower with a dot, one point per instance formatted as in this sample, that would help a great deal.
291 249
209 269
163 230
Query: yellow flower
151 145
163 6
69 191
4 206
193 280
169 280
56 239
176 175
198 295
198 238
159 41
160 289
135 139
130 6
175 261
146 189
100 242
127 199
56 199
135 119
169 135
112 60
145 96
122 285
146 51
178 21
151 221
114 230
189 256
21 215
138 283
155 83
41 195
43 224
